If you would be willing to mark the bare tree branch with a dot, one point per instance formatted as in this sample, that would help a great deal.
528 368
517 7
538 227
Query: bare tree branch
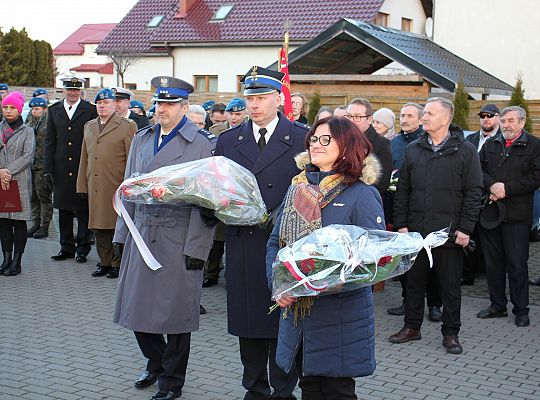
122 62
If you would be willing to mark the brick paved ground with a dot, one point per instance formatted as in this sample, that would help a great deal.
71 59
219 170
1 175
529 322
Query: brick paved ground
57 341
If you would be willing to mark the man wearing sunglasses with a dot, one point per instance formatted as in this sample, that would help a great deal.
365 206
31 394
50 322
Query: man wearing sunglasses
489 127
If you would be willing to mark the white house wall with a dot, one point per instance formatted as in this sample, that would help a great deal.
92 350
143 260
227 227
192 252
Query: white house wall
500 37
65 62
225 62
397 9
142 72
411 9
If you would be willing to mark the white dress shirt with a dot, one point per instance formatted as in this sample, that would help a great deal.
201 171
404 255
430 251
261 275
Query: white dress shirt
483 138
270 128
70 110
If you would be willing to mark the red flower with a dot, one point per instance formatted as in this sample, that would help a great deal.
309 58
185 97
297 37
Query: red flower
384 260
159 191
307 266
127 191
224 202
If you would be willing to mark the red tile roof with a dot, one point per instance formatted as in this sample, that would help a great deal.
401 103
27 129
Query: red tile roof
249 20
86 34
99 68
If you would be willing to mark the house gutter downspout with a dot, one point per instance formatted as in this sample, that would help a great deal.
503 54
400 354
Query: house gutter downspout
170 52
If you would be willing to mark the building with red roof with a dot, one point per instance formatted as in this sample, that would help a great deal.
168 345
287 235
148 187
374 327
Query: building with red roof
76 55
212 44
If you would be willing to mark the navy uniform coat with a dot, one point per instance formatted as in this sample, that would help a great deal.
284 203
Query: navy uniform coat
63 143
166 300
248 296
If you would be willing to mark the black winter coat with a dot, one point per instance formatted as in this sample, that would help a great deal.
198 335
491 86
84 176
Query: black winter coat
380 147
141 120
62 154
439 189
518 167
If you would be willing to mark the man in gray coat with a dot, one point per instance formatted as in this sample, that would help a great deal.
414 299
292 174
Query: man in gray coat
164 301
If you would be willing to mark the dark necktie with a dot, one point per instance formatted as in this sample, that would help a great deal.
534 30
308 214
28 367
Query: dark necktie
70 107
262 139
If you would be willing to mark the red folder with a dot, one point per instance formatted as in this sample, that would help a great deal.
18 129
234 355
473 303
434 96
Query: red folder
10 200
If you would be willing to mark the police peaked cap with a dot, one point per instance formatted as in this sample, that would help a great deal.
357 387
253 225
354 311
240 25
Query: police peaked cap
170 89
260 80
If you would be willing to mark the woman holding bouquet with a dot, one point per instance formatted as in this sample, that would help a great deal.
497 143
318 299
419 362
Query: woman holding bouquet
332 337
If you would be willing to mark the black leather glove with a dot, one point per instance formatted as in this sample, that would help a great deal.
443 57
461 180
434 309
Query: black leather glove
118 250
468 250
268 224
208 216
194 263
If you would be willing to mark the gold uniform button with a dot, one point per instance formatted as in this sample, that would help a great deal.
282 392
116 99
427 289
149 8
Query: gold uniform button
69 128
69 143
69 158
70 174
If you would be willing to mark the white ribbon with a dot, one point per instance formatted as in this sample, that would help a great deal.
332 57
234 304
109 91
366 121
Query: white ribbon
147 256
434 239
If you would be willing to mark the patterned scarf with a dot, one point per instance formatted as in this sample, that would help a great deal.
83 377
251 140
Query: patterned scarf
302 215
10 129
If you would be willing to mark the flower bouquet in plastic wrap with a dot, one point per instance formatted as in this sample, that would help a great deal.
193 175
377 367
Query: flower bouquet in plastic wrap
216 183
345 257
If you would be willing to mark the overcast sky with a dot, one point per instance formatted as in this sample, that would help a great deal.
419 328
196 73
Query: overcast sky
55 20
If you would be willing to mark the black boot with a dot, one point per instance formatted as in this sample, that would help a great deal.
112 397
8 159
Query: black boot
42 232
7 261
15 265
33 229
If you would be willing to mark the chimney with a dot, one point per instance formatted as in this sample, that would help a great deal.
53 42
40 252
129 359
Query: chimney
185 5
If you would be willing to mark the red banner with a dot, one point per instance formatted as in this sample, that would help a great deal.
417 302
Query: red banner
286 88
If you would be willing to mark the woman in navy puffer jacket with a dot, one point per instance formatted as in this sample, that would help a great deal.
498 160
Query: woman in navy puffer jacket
336 341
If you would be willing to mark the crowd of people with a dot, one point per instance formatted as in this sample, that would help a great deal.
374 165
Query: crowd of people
74 154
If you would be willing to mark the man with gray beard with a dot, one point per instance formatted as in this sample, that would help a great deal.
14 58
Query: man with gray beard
511 168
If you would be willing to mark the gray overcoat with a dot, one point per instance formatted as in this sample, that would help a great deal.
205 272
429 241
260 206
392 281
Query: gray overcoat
166 300
17 156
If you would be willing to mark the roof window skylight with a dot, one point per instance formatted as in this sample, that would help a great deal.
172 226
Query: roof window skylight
154 22
222 13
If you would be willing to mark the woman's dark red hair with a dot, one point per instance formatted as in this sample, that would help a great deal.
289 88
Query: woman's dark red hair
354 146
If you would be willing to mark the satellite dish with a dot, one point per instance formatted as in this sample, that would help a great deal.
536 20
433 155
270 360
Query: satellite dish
429 28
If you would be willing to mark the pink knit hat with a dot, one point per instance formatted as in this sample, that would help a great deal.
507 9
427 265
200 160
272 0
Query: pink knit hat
15 99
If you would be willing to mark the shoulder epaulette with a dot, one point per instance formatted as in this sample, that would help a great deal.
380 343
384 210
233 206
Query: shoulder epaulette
301 125
144 129
209 135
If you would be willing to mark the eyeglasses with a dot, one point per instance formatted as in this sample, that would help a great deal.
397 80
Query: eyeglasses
324 140
357 118
482 116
